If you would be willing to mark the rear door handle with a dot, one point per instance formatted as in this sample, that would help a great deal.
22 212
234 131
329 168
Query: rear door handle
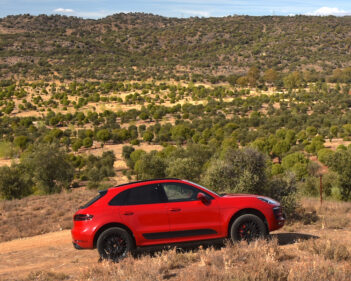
128 213
175 209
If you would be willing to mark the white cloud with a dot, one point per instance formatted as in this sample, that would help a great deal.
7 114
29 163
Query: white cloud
327 11
62 10
195 13
94 15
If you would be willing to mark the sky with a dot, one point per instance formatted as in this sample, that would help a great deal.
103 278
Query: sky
95 9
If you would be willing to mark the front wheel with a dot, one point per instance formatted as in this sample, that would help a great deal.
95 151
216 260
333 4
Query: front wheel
247 227
114 244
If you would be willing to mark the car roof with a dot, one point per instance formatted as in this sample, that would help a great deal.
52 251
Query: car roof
145 181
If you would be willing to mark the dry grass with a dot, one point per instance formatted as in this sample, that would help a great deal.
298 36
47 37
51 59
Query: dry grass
331 214
262 260
40 214
46 276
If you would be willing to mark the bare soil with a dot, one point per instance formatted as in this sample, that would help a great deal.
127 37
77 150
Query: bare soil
52 251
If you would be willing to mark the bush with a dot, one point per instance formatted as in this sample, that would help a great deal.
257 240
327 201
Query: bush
14 183
241 170
324 155
150 166
284 190
98 168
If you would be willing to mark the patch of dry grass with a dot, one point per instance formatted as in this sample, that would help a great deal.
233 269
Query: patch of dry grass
262 260
40 214
331 214
46 276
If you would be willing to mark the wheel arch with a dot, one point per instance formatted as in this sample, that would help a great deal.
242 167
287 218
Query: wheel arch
246 211
109 225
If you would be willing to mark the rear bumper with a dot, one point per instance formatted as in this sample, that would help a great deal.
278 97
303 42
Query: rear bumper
82 238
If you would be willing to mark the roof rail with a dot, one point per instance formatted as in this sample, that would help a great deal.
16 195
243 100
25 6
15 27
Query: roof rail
132 182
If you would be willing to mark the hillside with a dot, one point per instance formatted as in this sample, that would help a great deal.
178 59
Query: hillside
139 46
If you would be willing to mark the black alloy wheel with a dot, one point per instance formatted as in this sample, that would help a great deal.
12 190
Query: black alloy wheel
247 227
114 244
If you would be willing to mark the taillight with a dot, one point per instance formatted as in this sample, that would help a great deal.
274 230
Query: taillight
83 217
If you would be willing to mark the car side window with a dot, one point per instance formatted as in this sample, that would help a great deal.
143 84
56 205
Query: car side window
176 192
147 194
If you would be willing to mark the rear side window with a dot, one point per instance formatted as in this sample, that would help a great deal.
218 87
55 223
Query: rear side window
147 194
95 199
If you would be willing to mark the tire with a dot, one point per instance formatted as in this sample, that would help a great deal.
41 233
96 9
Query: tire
248 228
114 244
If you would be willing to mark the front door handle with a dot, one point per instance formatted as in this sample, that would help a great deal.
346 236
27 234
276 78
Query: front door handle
128 213
175 209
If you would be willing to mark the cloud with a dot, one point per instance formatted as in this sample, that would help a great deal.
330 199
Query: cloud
62 10
327 11
195 13
94 15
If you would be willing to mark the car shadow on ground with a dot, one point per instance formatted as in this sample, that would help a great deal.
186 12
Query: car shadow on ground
291 237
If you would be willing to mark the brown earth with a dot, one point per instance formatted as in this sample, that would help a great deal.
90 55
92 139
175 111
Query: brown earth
52 251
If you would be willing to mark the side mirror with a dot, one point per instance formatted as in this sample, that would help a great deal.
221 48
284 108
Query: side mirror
203 198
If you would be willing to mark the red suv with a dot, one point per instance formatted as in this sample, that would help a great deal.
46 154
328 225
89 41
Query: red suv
166 211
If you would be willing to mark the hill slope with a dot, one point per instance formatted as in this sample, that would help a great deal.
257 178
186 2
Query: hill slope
129 46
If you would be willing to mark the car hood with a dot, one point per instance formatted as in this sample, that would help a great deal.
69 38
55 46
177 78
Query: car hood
235 195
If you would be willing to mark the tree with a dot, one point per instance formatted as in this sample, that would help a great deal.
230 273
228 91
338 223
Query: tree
297 163
21 142
77 144
253 75
241 170
183 168
334 130
87 142
293 80
148 136
270 76
49 166
126 151
280 148
341 163
103 135
180 133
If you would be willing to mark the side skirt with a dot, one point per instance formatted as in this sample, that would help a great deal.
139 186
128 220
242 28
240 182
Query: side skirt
178 234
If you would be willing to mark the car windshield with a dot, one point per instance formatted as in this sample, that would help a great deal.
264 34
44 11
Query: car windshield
199 185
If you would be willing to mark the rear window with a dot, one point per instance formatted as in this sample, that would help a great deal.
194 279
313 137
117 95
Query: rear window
96 198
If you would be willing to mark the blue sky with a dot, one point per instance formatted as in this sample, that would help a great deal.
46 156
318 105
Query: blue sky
175 8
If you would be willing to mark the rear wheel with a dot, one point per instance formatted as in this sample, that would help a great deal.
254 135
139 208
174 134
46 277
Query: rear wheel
247 227
114 244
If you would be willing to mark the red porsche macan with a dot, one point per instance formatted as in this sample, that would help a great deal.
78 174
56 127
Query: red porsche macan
168 211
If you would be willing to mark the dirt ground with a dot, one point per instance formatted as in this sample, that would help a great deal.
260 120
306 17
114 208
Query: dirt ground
54 252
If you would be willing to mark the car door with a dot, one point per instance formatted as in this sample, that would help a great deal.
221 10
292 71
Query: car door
144 212
189 217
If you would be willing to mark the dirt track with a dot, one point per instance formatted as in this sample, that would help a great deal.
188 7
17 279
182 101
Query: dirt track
48 252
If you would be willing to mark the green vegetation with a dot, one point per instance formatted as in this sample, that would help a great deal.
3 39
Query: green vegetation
242 50
246 113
